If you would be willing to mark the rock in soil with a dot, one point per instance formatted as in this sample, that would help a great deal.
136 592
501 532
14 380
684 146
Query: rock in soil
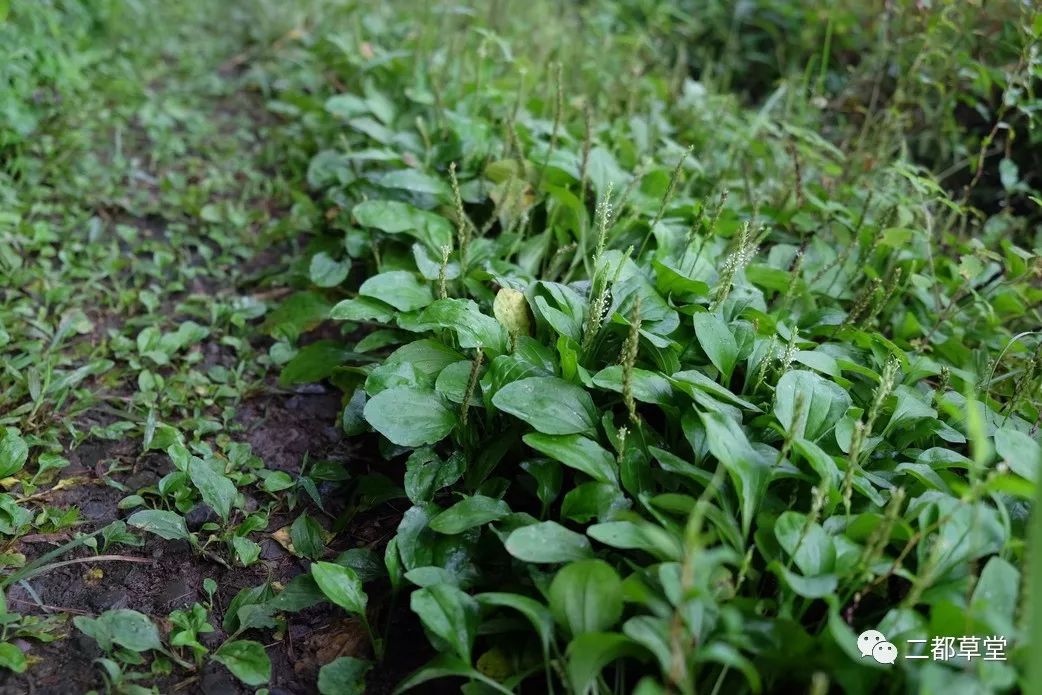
198 515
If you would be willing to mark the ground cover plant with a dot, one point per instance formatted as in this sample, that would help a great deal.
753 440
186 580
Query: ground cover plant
616 347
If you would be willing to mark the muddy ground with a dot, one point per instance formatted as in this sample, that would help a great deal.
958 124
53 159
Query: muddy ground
283 428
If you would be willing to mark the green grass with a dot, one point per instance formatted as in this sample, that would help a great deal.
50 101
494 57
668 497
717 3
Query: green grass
707 337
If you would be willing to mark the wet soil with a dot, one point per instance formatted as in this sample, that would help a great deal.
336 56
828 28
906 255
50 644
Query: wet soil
282 428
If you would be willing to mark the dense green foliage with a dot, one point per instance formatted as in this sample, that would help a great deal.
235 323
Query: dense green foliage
731 389
707 335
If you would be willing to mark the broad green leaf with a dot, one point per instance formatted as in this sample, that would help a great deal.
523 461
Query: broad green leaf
568 307
306 536
422 361
364 561
724 653
246 609
506 369
806 542
635 471
674 464
821 404
818 586
693 380
430 267
246 550
718 342
1022 453
217 490
747 470
549 404
578 452
627 535
301 592
538 615
768 277
970 531
548 478
168 525
646 386
326 271
638 535
417 182
247 661
362 309
446 666
653 634
994 600
399 288
671 280
300 312
473 329
393 564
415 539
132 630
909 407
346 106
924 474
341 585
426 473
591 500
586 596
277 481
394 217
604 170
13 452
449 614
410 416
566 322
11 657
429 576
343 676
327 168
821 361
453 381
373 129
657 317
96 629
124 627
469 513
187 333
822 463
314 362
547 542
590 652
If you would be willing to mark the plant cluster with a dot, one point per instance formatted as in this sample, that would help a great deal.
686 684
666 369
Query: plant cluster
686 393
683 342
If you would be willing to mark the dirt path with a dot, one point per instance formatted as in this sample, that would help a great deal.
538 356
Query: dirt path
184 228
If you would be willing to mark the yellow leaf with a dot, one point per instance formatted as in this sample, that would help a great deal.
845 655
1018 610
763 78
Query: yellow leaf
511 310
282 538
495 664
